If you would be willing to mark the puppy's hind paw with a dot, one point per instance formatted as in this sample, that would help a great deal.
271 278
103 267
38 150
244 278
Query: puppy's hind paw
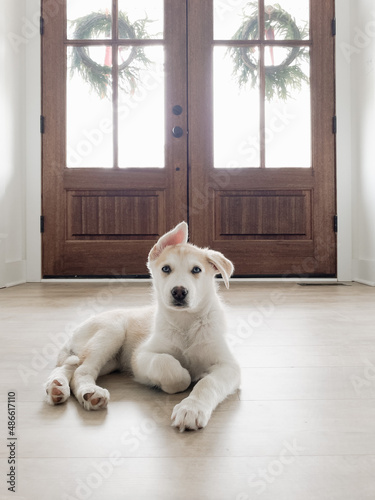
58 391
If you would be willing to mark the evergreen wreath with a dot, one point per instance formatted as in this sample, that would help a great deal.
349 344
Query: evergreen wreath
278 79
98 76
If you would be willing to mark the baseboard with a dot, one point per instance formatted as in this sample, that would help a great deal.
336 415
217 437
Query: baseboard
364 271
232 280
14 273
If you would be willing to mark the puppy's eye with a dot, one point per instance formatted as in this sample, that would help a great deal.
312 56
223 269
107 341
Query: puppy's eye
166 269
196 270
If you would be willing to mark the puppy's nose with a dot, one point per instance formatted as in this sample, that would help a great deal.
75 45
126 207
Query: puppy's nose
179 293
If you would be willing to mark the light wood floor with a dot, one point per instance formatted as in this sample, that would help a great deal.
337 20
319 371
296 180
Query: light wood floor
302 426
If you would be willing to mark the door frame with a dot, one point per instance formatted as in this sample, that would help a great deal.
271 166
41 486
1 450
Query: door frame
344 193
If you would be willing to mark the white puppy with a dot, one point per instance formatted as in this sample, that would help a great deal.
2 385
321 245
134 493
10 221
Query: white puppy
178 341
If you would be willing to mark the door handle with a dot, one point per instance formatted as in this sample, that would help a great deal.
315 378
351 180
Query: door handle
177 132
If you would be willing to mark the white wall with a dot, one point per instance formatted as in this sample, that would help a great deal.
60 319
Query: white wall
20 152
343 143
12 146
33 140
361 52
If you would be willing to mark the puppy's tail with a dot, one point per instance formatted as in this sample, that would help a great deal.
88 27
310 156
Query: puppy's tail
72 361
68 359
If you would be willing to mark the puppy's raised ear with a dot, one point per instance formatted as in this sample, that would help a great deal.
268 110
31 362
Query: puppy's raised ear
221 265
174 237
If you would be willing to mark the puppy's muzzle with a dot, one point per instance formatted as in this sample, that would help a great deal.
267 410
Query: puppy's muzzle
179 294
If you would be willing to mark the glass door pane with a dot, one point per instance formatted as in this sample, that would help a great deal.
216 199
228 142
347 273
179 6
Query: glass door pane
141 19
236 112
141 109
287 20
227 16
89 107
89 19
287 111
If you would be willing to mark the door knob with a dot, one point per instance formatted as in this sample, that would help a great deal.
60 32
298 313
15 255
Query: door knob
177 110
177 132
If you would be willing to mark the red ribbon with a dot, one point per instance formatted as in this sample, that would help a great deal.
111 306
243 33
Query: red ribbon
270 35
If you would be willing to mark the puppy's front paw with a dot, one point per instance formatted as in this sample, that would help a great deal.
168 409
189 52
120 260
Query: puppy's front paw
190 414
94 398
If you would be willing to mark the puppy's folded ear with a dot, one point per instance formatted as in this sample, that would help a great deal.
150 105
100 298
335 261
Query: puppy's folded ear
221 265
176 236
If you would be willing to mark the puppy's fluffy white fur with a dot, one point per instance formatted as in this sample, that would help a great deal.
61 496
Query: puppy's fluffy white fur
180 340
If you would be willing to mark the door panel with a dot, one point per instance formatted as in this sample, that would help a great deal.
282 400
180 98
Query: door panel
263 215
270 208
113 214
114 177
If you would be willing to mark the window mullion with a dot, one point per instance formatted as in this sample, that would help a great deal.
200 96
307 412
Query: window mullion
262 86
115 80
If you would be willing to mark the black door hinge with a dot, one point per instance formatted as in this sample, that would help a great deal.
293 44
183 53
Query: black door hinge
42 223
333 27
41 124
41 25
334 125
335 223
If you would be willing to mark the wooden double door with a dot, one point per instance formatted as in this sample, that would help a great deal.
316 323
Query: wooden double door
217 112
